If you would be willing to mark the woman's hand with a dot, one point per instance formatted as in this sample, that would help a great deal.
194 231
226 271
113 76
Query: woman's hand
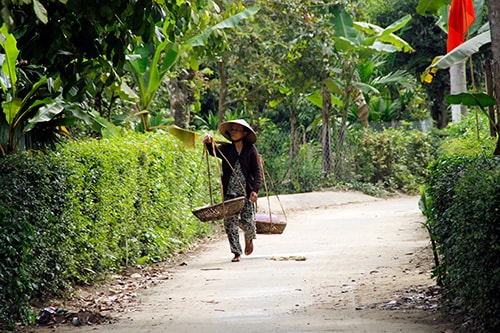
253 197
208 139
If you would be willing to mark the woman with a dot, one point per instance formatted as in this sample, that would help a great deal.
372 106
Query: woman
241 176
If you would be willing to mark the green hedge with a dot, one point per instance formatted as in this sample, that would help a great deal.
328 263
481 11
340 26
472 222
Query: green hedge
463 210
91 208
30 203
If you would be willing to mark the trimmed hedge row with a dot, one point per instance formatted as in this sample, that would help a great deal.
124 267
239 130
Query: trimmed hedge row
462 200
90 208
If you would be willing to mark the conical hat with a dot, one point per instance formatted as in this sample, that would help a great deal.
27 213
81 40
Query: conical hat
226 126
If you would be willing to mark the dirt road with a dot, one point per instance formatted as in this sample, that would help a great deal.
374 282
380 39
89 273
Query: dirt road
346 262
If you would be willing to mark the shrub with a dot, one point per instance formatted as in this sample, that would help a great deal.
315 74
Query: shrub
469 137
301 174
131 198
91 208
463 206
31 202
395 158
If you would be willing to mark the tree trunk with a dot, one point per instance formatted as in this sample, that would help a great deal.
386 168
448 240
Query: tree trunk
494 18
339 156
458 84
178 102
222 91
490 85
181 98
496 77
326 131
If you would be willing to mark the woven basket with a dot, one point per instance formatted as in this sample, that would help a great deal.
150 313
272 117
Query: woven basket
269 224
221 210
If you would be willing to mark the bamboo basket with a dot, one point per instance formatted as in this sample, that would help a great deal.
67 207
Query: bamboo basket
267 223
220 211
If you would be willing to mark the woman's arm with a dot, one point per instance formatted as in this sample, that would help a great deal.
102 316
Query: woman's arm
255 181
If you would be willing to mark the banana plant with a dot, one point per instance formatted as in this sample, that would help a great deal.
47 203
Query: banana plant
150 63
358 42
458 54
461 52
25 113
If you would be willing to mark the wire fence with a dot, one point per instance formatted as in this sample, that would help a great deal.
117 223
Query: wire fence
296 160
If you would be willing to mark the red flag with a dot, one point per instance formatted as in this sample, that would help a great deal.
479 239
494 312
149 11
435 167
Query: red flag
460 19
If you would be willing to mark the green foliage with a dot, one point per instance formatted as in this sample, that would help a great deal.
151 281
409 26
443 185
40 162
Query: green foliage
461 206
135 189
211 122
427 39
376 163
91 208
31 203
88 43
302 174
396 159
307 163
468 137
431 6
463 200
151 62
31 110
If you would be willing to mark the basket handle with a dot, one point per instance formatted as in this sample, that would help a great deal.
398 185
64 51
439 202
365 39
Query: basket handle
209 177
205 151
264 172
265 188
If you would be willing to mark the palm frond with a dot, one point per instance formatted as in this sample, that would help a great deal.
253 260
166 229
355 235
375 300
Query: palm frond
399 78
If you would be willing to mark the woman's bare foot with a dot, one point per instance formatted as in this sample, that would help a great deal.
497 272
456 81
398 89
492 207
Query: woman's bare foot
248 247
236 258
